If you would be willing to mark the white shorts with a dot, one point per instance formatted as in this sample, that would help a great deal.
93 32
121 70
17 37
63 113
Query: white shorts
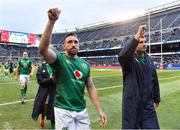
23 78
71 120
6 70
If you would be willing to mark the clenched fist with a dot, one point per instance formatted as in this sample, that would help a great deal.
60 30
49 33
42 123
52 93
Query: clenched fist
53 14
140 32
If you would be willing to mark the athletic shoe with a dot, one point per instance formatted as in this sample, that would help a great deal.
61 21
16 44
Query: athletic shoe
22 101
42 122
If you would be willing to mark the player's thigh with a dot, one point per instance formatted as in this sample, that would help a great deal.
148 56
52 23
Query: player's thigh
26 78
6 71
63 119
82 120
22 79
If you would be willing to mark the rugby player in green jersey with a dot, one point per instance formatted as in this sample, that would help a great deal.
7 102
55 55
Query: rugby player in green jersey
6 67
72 76
25 69
0 67
14 67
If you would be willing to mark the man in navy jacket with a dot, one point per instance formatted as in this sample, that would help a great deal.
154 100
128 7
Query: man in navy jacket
43 103
141 94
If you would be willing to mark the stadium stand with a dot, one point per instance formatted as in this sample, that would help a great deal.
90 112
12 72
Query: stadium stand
100 43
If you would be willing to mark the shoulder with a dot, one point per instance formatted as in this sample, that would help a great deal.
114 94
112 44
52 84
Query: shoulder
20 61
60 55
29 59
149 58
84 62
56 64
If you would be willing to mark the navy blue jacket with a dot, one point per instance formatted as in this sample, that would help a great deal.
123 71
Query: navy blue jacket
46 86
140 89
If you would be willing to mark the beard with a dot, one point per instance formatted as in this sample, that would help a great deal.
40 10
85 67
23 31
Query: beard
72 51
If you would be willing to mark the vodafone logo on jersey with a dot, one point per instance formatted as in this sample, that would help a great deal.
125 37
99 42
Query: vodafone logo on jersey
78 74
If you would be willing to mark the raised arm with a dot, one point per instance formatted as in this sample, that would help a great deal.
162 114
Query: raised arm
129 49
48 54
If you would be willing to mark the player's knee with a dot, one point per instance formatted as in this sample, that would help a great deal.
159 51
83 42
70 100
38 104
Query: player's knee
22 86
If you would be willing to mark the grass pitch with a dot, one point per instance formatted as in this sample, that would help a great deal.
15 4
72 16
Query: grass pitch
14 115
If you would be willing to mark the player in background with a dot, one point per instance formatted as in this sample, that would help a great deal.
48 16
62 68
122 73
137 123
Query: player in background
25 69
43 103
15 62
1 66
6 67
11 67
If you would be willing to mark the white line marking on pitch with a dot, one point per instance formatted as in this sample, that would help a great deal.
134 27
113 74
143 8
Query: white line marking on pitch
7 126
170 77
105 88
93 77
10 103
14 82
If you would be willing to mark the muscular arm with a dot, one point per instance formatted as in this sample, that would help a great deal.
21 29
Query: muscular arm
32 70
17 72
48 54
94 99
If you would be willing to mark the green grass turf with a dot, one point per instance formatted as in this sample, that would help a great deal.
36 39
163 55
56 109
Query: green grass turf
16 116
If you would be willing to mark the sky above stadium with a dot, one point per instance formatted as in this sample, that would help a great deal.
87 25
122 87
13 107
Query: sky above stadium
31 15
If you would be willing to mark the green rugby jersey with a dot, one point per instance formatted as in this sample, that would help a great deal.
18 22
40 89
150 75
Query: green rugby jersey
71 79
14 65
25 66
6 66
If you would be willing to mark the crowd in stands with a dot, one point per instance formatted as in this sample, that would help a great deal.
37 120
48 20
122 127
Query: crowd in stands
13 52
109 61
111 36
167 59
171 59
17 50
101 44
170 20
99 61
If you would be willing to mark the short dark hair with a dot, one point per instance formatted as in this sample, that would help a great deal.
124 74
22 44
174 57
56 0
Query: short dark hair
70 34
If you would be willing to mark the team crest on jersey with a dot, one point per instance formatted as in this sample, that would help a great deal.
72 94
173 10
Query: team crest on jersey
84 65
25 65
78 74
